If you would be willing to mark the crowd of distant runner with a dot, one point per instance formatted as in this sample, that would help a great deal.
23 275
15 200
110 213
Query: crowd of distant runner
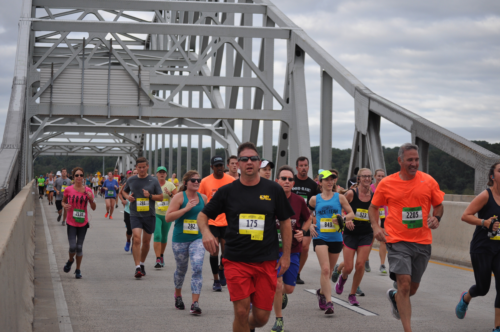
258 231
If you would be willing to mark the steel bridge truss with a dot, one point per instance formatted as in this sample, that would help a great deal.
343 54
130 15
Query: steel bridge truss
132 69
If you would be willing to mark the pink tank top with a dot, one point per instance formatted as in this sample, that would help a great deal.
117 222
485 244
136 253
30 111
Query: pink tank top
77 213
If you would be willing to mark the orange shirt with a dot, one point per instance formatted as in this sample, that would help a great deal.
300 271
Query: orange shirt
409 204
209 186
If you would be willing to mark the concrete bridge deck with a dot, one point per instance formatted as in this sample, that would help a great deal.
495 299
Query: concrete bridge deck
108 298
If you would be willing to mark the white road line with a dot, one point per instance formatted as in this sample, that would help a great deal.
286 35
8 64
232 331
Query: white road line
61 305
347 305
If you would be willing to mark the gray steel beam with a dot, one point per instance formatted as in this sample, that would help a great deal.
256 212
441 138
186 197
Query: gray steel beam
179 156
325 129
171 154
200 155
159 28
188 161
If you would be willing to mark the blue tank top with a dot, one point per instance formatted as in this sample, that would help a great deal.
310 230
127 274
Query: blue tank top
325 210
183 228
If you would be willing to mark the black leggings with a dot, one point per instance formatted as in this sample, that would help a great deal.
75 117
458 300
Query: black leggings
126 218
76 236
484 265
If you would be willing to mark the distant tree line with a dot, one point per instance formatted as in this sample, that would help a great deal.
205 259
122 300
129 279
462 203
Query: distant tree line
453 176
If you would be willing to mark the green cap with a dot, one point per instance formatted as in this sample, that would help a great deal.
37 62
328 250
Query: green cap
161 168
325 174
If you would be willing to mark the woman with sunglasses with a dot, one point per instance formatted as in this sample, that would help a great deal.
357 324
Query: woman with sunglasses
49 184
327 233
358 235
75 200
186 239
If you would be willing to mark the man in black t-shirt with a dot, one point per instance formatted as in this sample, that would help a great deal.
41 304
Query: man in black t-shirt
306 188
252 205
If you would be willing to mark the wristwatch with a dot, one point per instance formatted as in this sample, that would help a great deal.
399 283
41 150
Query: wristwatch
438 218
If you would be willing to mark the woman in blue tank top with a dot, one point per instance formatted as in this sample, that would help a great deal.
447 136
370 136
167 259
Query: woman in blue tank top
485 244
186 239
327 233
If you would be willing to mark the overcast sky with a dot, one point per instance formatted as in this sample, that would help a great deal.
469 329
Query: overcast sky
440 60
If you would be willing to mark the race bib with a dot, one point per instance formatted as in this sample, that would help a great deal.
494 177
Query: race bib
279 238
362 215
328 225
496 238
111 193
79 215
190 226
163 205
412 217
50 187
381 213
142 204
253 225
304 197
63 188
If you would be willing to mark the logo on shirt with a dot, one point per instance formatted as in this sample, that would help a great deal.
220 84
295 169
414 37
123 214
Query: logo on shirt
265 198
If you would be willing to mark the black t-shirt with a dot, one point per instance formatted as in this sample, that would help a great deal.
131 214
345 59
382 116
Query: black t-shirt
481 243
250 213
305 188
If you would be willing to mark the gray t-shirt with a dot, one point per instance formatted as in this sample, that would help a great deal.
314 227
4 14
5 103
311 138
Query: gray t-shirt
142 206
59 187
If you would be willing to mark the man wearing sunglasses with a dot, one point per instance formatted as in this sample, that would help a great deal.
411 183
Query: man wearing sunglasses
305 187
252 206
209 187
286 283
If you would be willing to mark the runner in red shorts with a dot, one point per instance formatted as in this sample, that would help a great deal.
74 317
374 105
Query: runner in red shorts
251 204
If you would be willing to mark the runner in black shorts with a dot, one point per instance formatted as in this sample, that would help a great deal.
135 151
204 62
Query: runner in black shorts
142 190
358 235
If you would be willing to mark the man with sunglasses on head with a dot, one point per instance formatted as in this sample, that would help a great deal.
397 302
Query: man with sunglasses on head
208 187
252 205
306 188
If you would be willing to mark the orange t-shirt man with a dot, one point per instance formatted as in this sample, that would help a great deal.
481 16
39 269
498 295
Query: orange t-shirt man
209 186
409 204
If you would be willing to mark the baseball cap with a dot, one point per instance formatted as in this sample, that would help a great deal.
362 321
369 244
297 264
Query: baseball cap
266 162
58 173
129 171
160 168
325 174
216 160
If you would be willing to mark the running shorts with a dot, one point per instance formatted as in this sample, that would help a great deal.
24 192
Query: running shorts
59 206
218 232
254 280
333 247
355 241
290 276
408 258
110 197
148 224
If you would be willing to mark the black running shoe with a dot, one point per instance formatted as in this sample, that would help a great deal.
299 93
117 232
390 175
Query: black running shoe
299 281
158 263
284 301
195 309
138 273
67 267
222 277
59 218
78 274
143 271
178 303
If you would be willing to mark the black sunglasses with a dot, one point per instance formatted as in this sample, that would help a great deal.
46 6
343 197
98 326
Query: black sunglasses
78 175
195 180
252 158
284 178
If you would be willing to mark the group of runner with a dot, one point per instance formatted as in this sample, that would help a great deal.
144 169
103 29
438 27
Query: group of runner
262 229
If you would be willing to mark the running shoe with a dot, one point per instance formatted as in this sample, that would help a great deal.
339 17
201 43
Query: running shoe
329 308
339 287
299 281
64 223
217 287
461 308
178 303
284 301
359 292
158 263
392 300
67 267
367 267
335 274
195 309
143 271
59 218
138 273
106 215
127 246
383 269
110 217
278 325
116 206
162 262
222 277
353 301
321 300
78 274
